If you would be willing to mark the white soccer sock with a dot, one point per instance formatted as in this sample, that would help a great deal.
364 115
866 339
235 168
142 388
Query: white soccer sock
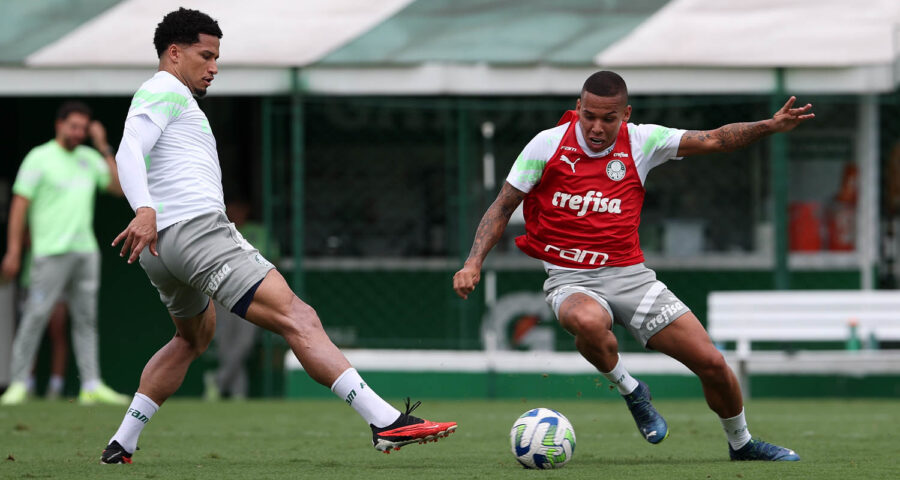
736 430
137 416
351 388
621 378
55 385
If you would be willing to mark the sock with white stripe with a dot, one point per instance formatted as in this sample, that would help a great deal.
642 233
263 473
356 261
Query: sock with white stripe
621 378
137 416
351 388
736 430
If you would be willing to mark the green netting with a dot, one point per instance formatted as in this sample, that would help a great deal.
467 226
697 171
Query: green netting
394 188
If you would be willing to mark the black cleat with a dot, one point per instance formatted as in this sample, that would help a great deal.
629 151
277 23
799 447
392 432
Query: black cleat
114 453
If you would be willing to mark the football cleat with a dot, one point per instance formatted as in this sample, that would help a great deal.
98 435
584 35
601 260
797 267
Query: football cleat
409 429
114 454
757 449
102 394
15 394
649 422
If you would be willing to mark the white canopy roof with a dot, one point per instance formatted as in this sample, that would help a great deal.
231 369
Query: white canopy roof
825 45
265 33
762 33
688 46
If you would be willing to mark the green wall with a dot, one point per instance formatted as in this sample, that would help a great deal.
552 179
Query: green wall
387 309
424 312
520 385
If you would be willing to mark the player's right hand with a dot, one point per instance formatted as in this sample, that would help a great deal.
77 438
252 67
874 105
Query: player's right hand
464 281
11 265
140 233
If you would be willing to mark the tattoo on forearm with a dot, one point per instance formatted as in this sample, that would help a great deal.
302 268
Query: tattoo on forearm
701 136
738 135
492 225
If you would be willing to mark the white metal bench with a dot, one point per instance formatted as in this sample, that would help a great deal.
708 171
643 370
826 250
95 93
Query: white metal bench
745 317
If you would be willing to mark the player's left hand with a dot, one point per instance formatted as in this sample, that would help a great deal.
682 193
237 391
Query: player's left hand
787 117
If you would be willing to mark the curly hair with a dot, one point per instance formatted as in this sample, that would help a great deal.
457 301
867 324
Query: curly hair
183 26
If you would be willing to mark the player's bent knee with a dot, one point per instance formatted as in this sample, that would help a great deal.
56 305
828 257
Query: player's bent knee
194 344
586 321
713 365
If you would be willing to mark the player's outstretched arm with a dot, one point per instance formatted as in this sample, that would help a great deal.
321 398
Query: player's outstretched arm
489 231
734 136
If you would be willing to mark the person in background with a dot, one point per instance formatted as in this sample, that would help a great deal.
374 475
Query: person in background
235 337
53 195
56 330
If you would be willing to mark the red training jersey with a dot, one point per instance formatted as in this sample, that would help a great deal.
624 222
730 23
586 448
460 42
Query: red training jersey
585 212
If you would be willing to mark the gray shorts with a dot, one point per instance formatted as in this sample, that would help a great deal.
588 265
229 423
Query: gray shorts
632 295
200 258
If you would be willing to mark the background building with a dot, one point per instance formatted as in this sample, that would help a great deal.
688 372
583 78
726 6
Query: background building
370 137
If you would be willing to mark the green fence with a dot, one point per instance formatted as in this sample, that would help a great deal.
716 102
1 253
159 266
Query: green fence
373 203
393 190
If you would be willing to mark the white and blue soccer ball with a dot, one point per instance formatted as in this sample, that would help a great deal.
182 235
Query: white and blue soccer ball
542 438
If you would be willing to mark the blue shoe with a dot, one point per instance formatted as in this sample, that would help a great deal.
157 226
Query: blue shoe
650 423
757 449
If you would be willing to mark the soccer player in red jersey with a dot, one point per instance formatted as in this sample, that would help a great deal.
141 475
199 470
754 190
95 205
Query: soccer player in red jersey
583 187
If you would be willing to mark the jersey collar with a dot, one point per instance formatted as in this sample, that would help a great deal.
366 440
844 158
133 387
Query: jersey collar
583 144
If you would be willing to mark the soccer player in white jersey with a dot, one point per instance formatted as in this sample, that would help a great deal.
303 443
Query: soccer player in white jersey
583 187
170 174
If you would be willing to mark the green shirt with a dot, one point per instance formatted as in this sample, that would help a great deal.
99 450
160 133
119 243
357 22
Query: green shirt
60 186
257 235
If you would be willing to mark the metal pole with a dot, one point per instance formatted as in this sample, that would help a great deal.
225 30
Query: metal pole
868 189
447 111
490 275
780 181
462 152
490 183
268 206
297 180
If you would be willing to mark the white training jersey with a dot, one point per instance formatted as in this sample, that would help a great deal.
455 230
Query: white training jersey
651 146
183 173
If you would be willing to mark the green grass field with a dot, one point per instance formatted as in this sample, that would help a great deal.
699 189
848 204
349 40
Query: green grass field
840 439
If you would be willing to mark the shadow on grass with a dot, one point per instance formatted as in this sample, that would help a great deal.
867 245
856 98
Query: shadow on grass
652 461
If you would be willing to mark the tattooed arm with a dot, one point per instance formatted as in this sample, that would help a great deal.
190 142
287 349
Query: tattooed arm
733 136
490 229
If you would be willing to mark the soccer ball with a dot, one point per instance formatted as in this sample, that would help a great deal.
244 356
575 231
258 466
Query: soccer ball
542 438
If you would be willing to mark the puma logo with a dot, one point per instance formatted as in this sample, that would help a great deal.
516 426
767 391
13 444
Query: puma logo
570 162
